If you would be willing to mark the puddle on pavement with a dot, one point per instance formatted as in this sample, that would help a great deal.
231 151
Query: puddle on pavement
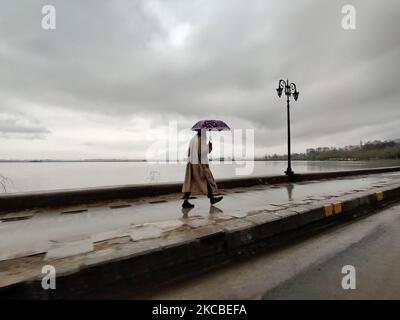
158 201
14 219
74 211
120 206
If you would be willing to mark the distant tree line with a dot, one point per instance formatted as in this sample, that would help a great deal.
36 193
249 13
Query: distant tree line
372 150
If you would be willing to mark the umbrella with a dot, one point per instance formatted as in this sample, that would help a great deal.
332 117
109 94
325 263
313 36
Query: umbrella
211 125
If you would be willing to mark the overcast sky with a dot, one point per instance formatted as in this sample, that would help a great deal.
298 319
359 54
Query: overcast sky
108 80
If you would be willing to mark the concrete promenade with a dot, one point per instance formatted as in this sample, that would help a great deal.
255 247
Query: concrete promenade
124 240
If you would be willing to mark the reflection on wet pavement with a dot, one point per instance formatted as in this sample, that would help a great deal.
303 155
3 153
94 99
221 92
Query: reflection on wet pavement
214 210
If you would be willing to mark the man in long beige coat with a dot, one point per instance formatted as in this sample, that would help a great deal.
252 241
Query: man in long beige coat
198 176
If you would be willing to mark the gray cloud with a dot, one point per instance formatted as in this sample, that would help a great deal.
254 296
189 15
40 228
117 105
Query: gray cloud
20 127
125 59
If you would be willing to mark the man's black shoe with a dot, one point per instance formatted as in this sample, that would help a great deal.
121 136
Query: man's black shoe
186 204
215 200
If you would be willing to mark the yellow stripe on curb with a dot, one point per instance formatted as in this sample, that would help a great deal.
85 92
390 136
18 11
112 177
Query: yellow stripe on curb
379 196
328 210
338 207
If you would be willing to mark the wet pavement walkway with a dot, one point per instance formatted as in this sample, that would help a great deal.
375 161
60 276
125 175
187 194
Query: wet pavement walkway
59 233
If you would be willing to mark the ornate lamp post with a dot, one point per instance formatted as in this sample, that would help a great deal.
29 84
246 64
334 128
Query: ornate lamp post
290 88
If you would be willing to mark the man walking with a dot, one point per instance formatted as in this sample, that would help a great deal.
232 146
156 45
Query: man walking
198 176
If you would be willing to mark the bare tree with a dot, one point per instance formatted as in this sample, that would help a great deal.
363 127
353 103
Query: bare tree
3 183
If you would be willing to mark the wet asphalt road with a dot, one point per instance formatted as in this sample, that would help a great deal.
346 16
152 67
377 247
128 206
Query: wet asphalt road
311 268
376 261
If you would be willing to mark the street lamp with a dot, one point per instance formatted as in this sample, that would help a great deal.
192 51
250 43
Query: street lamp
290 88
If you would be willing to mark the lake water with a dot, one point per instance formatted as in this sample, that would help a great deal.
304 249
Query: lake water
38 176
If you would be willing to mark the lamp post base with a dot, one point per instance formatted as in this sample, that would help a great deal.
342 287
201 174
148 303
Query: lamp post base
289 172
